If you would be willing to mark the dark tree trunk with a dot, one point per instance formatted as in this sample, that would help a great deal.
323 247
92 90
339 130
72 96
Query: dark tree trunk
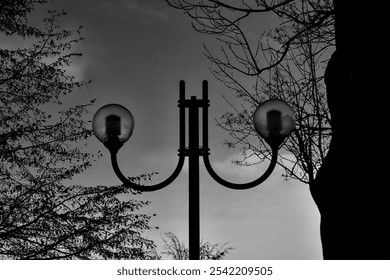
350 189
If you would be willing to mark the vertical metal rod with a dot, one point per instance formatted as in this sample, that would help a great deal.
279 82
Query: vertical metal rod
182 117
193 177
205 116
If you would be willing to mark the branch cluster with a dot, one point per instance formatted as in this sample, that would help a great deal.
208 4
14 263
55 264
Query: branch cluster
41 215
73 222
176 250
286 62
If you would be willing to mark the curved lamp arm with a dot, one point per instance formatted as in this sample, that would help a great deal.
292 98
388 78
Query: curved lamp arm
142 188
274 144
113 146
242 186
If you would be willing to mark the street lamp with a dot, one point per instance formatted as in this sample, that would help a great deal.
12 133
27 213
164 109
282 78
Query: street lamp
274 120
113 125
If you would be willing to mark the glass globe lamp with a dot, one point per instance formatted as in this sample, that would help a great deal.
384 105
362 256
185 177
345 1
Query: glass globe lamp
113 125
274 120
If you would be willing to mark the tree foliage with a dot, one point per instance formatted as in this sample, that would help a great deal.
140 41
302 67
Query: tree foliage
43 216
176 250
289 62
286 62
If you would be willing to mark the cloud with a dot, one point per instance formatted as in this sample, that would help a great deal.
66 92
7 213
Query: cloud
156 14
237 173
129 11
233 170
230 169
144 11
130 3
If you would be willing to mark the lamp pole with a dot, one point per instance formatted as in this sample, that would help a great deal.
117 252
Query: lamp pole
113 125
193 176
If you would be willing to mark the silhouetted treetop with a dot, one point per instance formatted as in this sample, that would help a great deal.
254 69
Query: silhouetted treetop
42 147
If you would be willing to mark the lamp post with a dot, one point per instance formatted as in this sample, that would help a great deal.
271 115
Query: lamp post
113 125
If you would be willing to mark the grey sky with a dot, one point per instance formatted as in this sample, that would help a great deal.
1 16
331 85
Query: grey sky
135 53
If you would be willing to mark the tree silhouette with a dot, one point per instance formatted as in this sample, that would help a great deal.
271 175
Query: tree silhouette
43 216
176 250
289 62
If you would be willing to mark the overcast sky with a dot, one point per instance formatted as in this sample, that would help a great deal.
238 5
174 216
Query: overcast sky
135 53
